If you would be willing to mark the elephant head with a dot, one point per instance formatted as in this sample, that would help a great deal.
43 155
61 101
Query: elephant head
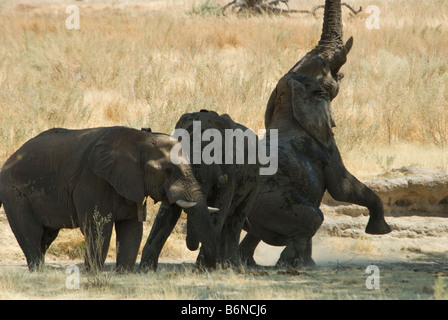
138 164
304 94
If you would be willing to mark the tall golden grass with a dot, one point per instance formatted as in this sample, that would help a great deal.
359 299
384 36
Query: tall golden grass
131 65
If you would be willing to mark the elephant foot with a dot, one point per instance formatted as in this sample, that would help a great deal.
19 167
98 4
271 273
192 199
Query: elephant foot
250 262
204 266
377 226
288 261
297 255
36 266
309 263
123 269
296 264
147 266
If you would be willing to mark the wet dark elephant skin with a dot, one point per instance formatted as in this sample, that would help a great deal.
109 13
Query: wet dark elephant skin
233 196
286 211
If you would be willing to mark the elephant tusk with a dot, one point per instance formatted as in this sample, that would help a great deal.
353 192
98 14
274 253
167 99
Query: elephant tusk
185 204
141 210
212 209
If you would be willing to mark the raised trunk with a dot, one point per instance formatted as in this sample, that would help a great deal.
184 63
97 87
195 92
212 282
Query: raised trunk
332 28
330 47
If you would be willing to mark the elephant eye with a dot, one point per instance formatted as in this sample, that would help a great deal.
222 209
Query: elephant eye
320 94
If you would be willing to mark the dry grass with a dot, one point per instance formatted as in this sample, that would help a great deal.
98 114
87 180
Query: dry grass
141 67
145 64
173 282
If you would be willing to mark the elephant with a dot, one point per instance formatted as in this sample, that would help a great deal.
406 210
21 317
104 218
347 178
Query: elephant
230 186
93 179
286 210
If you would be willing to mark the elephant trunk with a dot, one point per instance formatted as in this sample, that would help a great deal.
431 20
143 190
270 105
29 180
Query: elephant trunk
200 229
192 238
332 28
330 47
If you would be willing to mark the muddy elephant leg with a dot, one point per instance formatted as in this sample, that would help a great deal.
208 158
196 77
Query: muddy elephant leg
308 260
129 236
229 240
343 186
28 231
246 249
299 245
231 231
295 254
293 227
164 223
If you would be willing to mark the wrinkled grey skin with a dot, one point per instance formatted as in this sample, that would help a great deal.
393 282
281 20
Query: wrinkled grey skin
286 211
229 187
61 177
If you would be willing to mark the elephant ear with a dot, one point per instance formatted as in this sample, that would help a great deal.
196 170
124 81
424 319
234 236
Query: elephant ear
313 116
270 108
116 158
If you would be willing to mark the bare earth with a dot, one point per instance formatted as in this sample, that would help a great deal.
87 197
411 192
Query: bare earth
412 263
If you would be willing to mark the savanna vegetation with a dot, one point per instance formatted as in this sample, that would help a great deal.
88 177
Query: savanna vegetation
144 64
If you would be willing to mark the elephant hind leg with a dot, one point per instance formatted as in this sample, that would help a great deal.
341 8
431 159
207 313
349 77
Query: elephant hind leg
129 237
295 228
27 230
296 254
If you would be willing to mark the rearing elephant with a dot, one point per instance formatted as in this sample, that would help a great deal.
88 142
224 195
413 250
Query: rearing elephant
91 179
286 211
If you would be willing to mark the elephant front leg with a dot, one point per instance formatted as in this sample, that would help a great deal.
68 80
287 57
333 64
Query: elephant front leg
343 186
246 249
164 223
97 244
249 242
231 233
129 236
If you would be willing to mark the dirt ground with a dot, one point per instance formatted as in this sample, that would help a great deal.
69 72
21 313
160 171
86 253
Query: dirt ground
410 263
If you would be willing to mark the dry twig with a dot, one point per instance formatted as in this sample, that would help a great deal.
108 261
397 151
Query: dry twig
273 7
